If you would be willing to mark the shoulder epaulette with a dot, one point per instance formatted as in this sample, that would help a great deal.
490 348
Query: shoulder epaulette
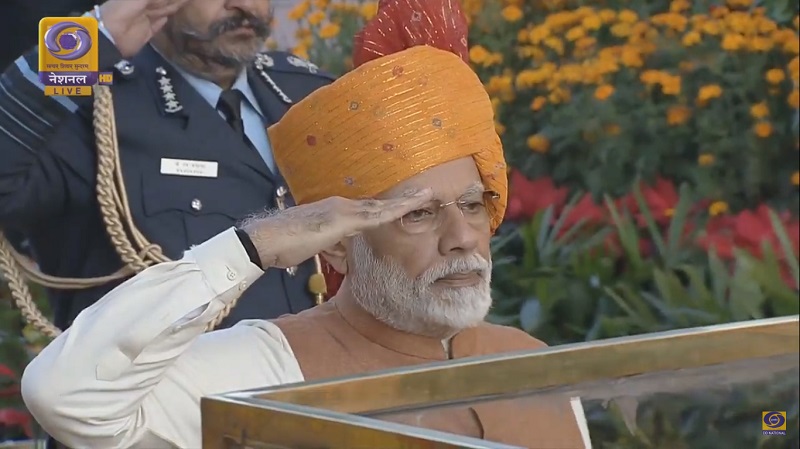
282 61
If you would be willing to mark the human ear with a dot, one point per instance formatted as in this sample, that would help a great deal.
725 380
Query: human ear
336 256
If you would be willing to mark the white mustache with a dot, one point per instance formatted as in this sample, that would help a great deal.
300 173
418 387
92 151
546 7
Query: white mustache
456 266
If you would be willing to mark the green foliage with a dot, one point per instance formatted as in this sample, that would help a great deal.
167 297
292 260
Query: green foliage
594 282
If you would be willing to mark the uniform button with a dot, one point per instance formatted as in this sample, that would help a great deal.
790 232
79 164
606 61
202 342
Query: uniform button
242 286
124 67
197 204
231 275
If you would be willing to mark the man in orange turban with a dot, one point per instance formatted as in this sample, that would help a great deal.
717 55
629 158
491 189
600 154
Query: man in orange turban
400 180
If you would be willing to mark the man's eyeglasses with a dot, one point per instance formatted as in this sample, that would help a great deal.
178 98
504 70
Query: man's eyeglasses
430 217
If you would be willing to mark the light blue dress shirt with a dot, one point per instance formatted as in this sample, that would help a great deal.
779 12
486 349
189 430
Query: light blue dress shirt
252 117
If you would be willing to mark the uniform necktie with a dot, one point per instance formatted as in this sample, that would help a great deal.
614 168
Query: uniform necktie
230 104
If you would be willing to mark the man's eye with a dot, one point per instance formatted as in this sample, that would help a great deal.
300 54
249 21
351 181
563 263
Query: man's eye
418 215
472 206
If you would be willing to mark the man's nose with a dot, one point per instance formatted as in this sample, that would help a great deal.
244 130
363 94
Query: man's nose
456 234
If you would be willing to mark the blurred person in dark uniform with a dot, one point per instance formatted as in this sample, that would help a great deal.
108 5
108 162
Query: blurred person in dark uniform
193 93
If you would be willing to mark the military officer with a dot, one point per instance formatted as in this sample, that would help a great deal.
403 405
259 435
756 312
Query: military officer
193 93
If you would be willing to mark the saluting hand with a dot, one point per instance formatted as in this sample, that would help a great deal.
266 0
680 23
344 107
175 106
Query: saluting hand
132 23
294 235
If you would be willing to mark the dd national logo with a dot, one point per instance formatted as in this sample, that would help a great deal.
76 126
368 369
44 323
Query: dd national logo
773 423
68 59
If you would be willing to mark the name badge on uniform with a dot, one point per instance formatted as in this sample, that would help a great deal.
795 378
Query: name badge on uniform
185 167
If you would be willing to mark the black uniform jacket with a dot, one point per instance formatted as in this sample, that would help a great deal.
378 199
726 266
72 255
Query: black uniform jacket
48 169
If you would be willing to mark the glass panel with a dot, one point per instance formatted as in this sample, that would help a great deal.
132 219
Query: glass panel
720 406
725 386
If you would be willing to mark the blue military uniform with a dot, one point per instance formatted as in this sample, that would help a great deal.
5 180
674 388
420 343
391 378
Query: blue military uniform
48 169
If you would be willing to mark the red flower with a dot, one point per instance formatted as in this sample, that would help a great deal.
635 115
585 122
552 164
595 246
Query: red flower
8 376
16 418
527 197
588 211
749 230
661 199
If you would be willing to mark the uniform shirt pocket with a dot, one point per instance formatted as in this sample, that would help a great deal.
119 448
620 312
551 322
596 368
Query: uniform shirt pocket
184 211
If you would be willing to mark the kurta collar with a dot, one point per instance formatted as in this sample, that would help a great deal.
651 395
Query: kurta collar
462 344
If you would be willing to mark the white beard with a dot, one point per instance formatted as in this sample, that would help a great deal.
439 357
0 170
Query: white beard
384 290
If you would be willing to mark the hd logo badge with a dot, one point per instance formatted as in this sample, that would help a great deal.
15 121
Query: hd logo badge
68 57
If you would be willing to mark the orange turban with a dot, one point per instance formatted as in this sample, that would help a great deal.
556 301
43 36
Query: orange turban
411 103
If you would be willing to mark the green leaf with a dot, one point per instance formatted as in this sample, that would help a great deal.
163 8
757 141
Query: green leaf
746 296
543 220
641 306
627 235
720 279
499 242
786 246
622 303
530 256
678 224
655 233
698 287
767 272
670 288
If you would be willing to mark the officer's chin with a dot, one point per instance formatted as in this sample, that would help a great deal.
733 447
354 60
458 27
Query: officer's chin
234 56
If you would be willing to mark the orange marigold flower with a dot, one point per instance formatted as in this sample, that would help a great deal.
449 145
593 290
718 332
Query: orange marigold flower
718 208
794 99
759 110
708 92
478 54
538 103
671 84
763 129
576 33
691 38
539 143
678 115
512 13
704 160
775 76
329 31
603 92
627 16
733 42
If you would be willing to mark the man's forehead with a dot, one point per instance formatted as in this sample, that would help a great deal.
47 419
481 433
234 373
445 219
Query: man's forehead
448 181
447 192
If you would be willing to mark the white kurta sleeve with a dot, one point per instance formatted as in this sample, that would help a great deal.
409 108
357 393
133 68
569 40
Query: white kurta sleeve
131 370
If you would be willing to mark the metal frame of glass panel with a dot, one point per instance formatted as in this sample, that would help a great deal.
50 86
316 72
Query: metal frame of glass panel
330 413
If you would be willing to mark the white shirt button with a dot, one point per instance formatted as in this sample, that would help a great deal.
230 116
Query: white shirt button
231 275
197 204
242 286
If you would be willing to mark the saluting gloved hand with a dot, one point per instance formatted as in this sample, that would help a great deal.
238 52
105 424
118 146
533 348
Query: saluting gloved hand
294 235
132 23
